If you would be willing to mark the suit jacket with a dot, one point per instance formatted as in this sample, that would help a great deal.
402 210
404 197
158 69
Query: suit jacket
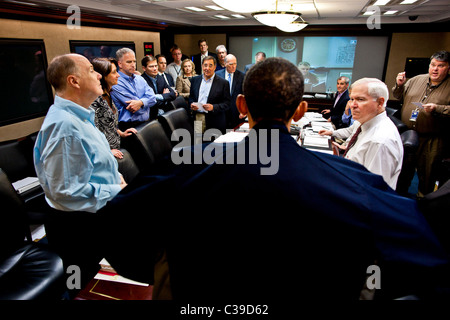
170 79
161 84
248 66
219 97
332 219
338 110
236 89
183 87
197 59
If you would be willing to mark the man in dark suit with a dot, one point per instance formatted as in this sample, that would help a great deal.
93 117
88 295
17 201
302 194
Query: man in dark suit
332 224
340 101
214 95
259 56
198 58
163 93
162 66
236 80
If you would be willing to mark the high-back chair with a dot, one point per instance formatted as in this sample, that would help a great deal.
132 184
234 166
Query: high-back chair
174 120
28 270
149 146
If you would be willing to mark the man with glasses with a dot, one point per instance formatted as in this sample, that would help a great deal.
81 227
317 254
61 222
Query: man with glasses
426 107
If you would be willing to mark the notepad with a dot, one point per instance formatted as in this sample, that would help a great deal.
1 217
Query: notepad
25 184
310 141
231 137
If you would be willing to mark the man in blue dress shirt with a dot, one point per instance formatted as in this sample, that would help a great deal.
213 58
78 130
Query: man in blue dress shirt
72 157
75 166
131 95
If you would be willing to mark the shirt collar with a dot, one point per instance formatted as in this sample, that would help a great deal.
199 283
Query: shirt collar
374 121
212 78
75 109
127 77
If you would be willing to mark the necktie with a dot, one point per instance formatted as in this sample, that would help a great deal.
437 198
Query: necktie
229 80
353 140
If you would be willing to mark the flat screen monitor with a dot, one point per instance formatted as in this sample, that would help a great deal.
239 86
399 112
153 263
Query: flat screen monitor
416 66
328 57
25 91
99 49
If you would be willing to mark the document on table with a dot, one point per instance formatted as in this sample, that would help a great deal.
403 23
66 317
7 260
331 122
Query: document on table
311 141
317 126
231 137
26 184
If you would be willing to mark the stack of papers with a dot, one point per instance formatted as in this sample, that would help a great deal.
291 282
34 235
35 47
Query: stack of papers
311 141
109 274
26 184
317 126
230 137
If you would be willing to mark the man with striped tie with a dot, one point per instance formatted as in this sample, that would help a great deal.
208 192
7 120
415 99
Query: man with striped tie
375 141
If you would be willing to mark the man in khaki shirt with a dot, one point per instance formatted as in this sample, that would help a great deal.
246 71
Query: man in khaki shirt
431 120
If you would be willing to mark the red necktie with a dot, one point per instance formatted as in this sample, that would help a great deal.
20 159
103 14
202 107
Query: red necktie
353 140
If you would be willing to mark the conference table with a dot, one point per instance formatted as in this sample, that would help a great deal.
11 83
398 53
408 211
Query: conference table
305 132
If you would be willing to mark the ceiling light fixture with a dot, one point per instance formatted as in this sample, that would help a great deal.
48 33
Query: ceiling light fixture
283 20
381 2
293 26
241 6
195 9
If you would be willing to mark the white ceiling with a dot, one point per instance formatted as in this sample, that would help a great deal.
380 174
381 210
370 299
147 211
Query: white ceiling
319 12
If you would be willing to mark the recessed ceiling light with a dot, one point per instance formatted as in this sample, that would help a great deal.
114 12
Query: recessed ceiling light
381 2
221 16
217 8
408 1
368 13
239 16
195 9
390 12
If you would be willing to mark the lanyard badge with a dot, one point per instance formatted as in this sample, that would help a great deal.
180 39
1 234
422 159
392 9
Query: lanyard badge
414 115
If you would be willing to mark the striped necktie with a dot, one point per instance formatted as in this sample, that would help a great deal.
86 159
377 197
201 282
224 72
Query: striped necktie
353 140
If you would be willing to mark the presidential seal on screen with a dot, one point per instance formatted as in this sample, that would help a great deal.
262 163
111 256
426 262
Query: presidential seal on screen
288 45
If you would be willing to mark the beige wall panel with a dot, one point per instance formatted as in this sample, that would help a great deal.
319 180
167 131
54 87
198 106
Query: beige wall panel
412 45
56 38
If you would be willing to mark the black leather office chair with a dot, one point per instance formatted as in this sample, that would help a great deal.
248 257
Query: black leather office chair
410 141
28 270
177 119
179 102
14 159
394 115
149 146
435 207
127 166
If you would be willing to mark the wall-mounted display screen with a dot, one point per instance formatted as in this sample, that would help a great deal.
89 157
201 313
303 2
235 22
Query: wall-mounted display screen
25 91
327 57
99 49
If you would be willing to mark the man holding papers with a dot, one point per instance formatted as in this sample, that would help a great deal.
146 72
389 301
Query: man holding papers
213 94
430 118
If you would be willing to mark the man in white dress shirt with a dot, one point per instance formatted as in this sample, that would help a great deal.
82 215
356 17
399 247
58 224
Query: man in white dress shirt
375 142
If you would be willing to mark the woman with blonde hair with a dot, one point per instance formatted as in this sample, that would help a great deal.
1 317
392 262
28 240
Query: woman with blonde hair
183 82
